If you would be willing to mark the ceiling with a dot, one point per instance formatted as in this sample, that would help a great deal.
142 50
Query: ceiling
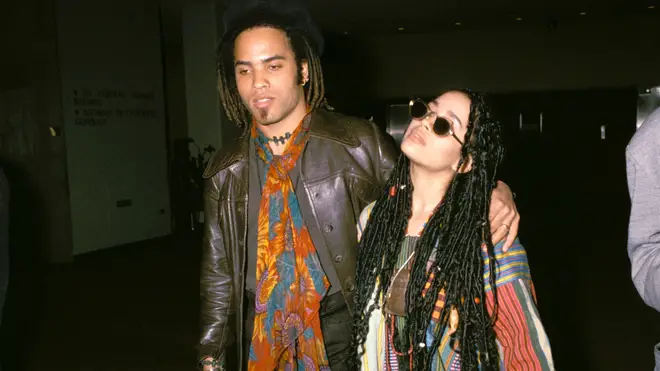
378 16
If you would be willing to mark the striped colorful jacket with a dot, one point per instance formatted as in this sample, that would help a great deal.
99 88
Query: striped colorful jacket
521 338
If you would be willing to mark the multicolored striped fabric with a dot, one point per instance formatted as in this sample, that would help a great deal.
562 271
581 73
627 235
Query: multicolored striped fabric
290 280
521 338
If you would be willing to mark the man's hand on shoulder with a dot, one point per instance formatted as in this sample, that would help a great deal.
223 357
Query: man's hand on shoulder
503 216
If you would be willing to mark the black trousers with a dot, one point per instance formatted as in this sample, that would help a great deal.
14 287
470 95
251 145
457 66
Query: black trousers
336 326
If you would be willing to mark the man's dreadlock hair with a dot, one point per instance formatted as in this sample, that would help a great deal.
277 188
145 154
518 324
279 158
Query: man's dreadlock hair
304 48
454 233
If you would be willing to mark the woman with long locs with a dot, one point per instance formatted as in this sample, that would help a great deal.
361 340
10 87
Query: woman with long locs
433 293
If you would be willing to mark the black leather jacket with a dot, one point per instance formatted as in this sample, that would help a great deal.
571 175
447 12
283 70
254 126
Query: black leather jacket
344 167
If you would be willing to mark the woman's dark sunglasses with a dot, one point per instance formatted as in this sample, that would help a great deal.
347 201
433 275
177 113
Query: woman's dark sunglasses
441 127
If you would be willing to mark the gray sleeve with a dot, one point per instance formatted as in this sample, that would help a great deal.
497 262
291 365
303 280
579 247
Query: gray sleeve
644 227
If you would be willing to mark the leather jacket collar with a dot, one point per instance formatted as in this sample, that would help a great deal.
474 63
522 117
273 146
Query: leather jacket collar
324 126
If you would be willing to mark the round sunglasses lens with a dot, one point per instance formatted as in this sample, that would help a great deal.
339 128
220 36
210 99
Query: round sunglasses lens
441 126
418 110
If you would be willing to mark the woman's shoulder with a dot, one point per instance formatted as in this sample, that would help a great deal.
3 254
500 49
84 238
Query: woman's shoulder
364 218
510 265
366 212
516 251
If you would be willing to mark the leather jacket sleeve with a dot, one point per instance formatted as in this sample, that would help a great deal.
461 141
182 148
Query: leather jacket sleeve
388 154
215 279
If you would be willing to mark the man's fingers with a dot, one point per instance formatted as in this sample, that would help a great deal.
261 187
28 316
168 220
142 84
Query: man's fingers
497 223
499 218
513 233
510 237
499 234
497 209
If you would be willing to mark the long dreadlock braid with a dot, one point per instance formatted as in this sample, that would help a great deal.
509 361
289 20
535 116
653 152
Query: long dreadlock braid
303 50
452 238
385 235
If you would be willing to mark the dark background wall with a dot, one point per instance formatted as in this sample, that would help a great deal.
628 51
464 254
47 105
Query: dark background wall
578 53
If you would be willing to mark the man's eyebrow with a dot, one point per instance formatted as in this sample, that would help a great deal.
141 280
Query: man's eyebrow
274 58
264 60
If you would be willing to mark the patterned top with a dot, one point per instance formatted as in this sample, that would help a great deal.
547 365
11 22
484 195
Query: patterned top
521 338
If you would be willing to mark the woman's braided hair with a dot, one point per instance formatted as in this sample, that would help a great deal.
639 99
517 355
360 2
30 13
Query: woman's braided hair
454 234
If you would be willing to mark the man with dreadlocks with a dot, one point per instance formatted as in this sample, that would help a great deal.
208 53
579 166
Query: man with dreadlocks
433 293
278 265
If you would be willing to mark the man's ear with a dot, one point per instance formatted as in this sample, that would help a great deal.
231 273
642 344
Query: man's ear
304 71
